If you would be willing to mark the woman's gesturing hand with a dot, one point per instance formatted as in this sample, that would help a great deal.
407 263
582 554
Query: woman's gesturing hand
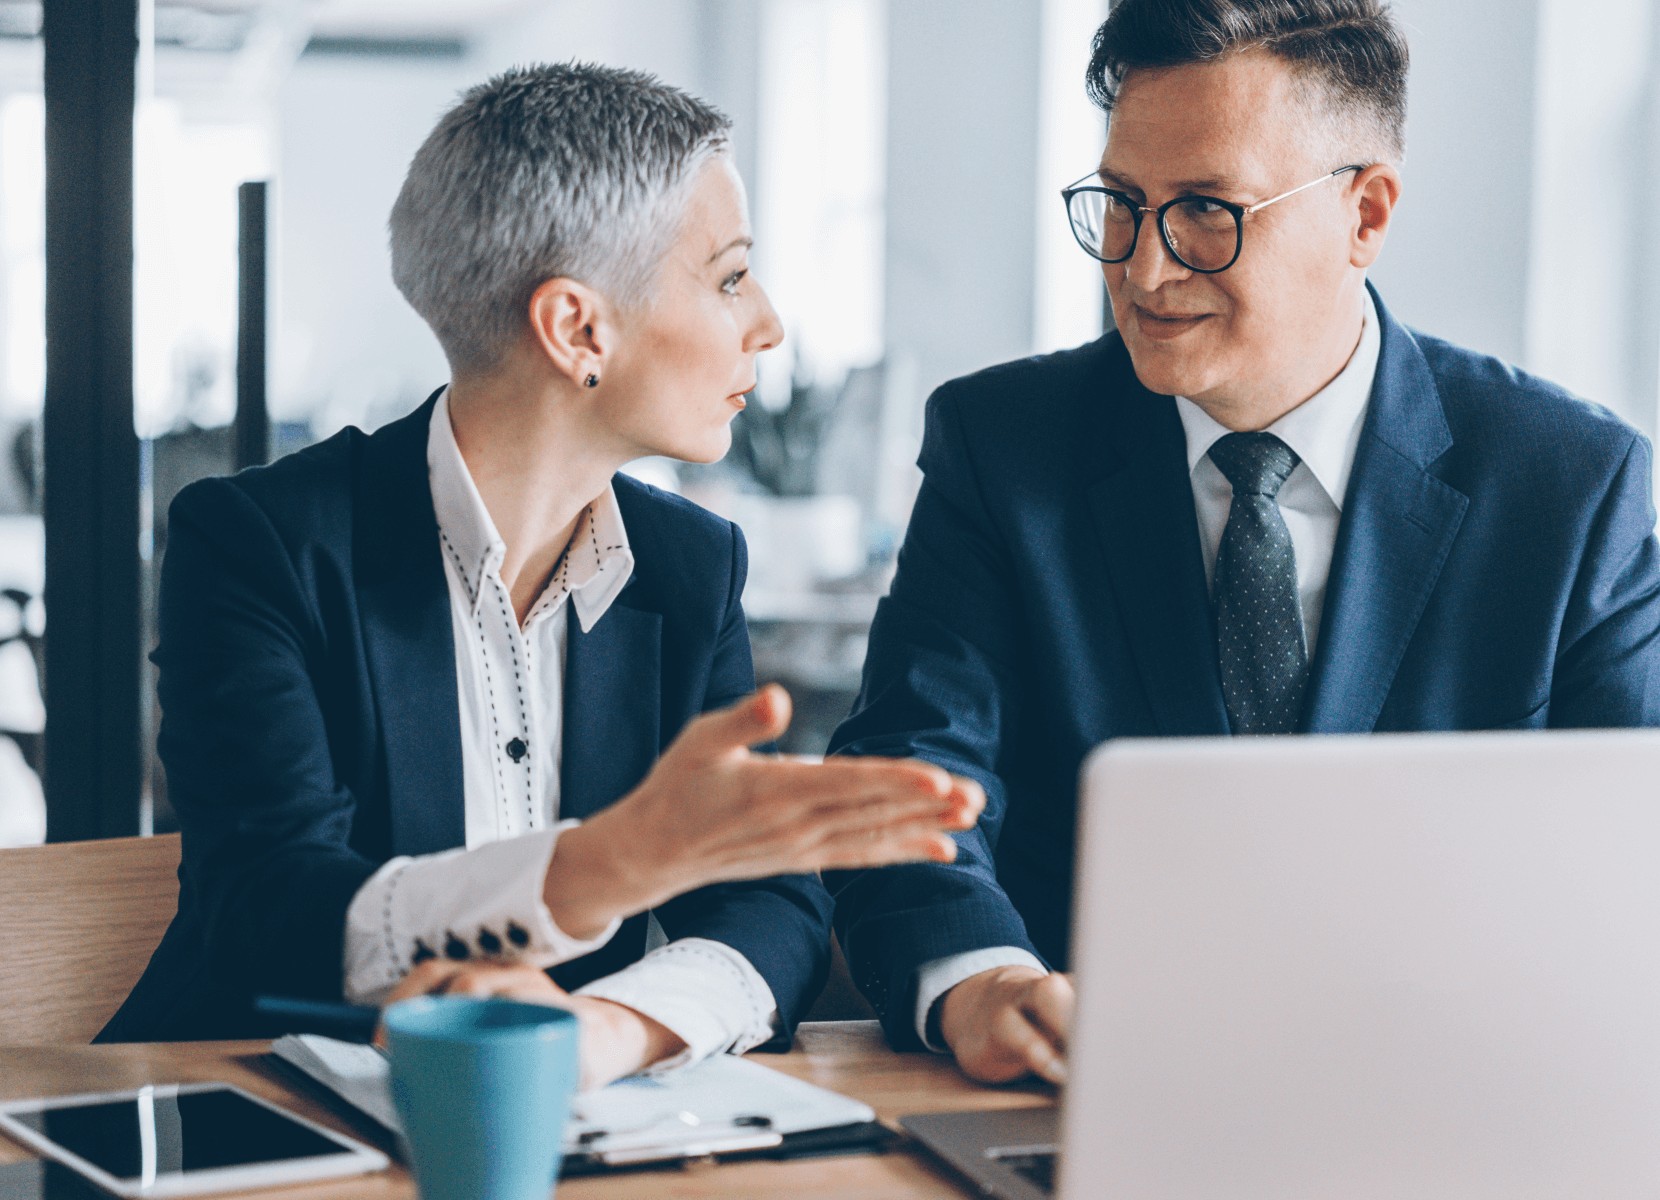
712 811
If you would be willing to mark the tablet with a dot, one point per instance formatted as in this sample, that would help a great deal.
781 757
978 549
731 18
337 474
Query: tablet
43 1179
183 1139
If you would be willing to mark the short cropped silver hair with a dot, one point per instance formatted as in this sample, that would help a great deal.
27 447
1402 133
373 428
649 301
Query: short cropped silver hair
571 171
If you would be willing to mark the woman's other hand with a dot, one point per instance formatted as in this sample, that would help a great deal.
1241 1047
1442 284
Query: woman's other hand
616 1040
712 811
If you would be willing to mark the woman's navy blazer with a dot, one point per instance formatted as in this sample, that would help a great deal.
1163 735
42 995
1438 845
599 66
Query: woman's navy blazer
311 731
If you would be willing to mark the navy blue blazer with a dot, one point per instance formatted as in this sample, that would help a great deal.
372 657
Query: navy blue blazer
1495 568
311 727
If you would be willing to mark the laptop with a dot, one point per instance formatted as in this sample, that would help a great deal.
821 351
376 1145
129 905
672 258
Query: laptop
1420 965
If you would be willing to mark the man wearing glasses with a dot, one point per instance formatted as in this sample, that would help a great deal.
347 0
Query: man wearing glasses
1261 506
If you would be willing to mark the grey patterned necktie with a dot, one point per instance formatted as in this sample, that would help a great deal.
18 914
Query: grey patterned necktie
1259 622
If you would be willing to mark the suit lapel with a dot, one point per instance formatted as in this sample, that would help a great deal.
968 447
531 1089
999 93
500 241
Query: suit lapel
1145 522
408 640
612 706
1398 525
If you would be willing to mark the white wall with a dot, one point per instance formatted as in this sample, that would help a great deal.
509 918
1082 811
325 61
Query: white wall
1456 261
1525 229
664 37
729 76
1592 322
963 102
1068 294
346 348
819 187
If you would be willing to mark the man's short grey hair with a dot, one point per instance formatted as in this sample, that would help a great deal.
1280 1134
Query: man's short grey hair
571 171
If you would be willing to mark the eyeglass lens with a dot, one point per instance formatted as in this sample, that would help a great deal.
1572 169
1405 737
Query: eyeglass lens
1201 233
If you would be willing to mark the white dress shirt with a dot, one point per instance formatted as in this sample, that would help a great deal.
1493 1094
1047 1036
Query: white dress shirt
1324 432
487 898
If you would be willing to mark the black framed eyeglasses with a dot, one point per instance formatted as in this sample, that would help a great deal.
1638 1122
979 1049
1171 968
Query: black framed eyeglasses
1202 233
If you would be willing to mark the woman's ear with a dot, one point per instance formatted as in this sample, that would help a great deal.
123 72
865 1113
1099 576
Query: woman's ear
570 324
1375 192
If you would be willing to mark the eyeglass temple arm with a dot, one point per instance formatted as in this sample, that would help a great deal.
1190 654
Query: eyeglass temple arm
1276 199
1093 179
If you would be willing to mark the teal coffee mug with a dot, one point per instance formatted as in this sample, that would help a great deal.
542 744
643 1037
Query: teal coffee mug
484 1089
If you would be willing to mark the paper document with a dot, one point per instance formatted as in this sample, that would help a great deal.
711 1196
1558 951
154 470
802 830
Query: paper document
724 1102
358 1074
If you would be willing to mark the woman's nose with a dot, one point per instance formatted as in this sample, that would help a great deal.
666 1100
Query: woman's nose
766 331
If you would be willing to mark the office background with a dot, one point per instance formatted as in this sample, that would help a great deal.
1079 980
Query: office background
903 159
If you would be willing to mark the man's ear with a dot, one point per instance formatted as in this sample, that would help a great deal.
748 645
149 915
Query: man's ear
1374 193
571 324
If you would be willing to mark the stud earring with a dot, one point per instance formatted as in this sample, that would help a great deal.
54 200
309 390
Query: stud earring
591 381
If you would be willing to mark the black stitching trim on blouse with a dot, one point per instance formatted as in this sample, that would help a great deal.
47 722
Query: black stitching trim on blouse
524 714
393 974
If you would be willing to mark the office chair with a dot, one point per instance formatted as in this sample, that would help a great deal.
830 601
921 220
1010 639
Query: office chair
81 920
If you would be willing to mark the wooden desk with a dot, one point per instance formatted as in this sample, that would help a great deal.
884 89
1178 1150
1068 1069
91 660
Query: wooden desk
845 1056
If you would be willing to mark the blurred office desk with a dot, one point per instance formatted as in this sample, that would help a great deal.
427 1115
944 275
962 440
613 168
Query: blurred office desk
846 1056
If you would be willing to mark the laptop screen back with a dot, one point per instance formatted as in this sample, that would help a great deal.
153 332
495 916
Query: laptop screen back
1368 967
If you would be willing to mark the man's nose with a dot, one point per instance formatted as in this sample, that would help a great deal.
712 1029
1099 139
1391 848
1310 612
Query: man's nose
1151 264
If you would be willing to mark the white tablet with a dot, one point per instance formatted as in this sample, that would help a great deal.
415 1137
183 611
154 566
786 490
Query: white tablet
183 1139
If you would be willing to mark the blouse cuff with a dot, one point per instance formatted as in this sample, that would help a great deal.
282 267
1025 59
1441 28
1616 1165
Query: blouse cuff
483 903
703 991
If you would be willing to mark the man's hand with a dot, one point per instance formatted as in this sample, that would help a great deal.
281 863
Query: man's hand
711 811
616 1040
1007 1022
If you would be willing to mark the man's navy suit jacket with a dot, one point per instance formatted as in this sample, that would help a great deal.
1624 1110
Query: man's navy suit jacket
311 728
1495 568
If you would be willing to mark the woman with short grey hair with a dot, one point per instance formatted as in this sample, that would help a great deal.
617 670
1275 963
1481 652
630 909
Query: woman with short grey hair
456 706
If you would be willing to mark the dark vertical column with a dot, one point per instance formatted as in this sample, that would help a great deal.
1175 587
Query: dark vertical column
91 453
253 423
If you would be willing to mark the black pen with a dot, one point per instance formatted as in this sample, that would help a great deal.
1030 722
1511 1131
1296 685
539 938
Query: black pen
348 1022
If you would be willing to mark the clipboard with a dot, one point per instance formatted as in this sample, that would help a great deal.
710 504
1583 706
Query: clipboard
724 1109
864 1137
